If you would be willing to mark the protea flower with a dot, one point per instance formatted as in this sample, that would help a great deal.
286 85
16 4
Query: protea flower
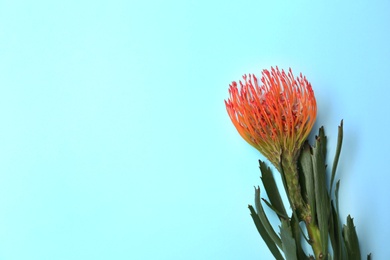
274 116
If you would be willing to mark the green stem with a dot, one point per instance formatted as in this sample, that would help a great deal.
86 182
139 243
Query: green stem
315 240
291 175
294 188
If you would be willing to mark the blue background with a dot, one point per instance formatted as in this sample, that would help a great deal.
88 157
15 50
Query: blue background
115 142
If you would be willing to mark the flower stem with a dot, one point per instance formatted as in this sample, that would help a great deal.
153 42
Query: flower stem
315 240
302 209
290 172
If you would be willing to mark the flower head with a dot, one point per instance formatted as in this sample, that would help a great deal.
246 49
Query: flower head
275 115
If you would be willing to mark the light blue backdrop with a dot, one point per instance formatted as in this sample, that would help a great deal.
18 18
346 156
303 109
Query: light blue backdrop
115 142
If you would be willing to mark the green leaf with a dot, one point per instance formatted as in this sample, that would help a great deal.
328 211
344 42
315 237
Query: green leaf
306 169
264 220
337 195
323 141
335 234
288 241
271 188
280 214
295 228
321 193
351 240
341 244
263 233
337 155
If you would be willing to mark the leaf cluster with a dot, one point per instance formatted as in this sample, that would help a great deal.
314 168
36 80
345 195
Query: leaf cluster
321 197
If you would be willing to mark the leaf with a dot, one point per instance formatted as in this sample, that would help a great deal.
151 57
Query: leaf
351 240
340 242
306 168
323 141
337 195
321 194
288 242
337 155
280 214
335 234
295 228
271 188
263 233
264 220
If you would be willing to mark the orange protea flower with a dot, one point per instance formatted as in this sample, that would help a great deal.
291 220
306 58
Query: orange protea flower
275 115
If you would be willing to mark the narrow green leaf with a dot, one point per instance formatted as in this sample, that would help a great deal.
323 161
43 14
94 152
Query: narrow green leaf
336 209
306 168
351 240
288 241
323 141
263 233
264 220
321 193
271 188
280 214
295 228
335 234
336 192
337 155
332 231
